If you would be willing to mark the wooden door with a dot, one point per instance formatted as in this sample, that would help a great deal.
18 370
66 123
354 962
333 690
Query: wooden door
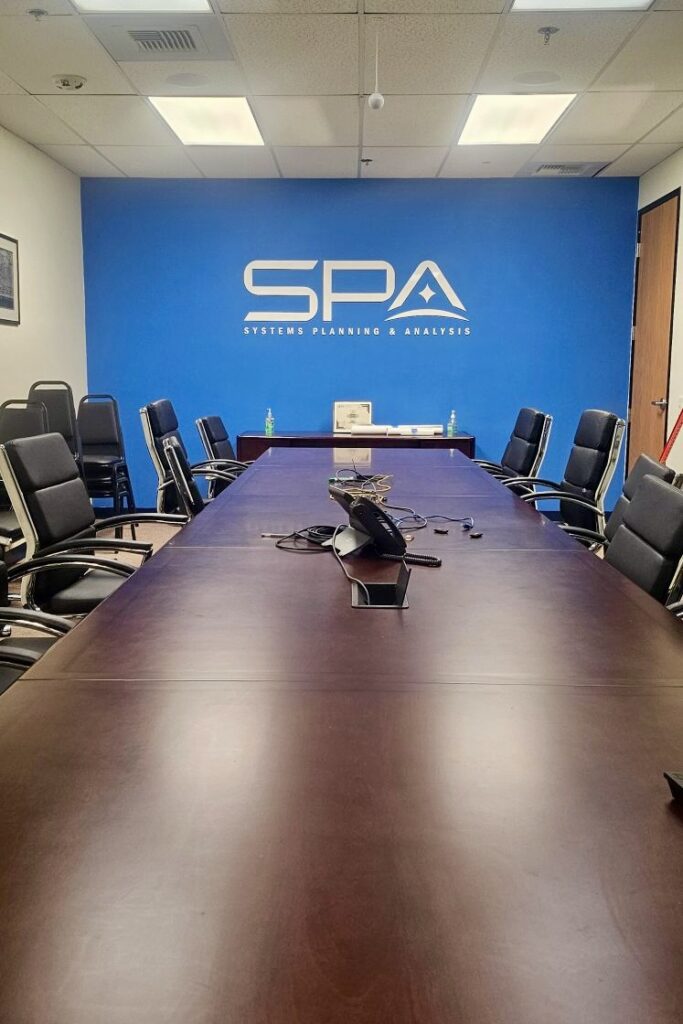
653 314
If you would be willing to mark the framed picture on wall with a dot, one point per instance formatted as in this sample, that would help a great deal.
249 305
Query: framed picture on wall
9 280
346 414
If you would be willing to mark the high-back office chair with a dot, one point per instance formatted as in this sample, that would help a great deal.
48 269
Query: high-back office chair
105 469
183 476
525 451
159 423
588 473
18 418
647 545
642 467
19 653
58 522
58 399
218 446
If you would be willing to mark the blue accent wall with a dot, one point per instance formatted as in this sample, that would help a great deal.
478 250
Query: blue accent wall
544 270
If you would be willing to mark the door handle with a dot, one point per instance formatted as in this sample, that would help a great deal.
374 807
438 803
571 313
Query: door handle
661 403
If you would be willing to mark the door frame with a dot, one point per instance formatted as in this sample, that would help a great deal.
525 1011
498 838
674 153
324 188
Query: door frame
675 194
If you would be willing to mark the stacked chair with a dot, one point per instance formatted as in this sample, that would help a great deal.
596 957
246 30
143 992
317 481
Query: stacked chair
105 469
58 399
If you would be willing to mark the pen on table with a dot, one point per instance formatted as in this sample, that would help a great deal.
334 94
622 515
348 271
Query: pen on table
275 536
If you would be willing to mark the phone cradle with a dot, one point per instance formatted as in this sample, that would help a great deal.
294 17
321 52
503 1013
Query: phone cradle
382 595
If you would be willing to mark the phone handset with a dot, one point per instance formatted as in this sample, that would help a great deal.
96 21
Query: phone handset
386 538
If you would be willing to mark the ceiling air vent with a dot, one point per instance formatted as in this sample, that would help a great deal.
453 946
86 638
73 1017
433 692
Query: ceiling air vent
161 40
587 169
144 37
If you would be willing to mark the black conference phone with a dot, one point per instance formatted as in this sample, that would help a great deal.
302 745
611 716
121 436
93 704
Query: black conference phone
368 518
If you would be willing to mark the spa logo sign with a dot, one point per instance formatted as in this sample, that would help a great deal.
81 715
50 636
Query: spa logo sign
412 301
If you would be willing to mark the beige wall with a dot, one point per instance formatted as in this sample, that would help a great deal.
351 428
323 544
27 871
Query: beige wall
658 182
40 206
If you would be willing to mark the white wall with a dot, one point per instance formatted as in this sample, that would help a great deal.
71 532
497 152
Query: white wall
662 179
40 206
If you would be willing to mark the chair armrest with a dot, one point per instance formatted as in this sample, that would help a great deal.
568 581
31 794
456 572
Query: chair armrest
51 563
582 533
214 474
530 481
485 464
225 464
135 518
42 622
676 608
573 499
137 547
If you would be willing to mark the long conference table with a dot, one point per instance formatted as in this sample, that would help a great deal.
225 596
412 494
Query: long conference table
228 797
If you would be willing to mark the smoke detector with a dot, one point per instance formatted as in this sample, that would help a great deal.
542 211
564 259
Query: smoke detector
69 83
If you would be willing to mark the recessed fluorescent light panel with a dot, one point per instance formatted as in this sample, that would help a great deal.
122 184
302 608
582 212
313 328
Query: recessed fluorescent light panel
209 121
512 120
142 6
581 5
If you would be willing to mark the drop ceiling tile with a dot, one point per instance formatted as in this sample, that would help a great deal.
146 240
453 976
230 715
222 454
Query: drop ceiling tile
186 77
29 119
83 160
318 162
297 55
638 160
289 6
308 120
112 120
403 161
427 54
8 87
151 161
21 6
234 161
32 52
414 121
670 130
434 6
556 154
520 61
486 161
615 116
651 59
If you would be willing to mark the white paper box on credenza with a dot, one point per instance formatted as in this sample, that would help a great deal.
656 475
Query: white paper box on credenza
346 415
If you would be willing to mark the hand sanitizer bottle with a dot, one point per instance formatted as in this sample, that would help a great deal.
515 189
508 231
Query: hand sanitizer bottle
270 423
452 427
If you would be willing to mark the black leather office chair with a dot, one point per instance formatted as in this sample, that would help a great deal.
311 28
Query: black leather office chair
105 469
64 576
183 476
647 545
588 473
18 418
58 399
642 467
19 653
159 422
525 451
217 445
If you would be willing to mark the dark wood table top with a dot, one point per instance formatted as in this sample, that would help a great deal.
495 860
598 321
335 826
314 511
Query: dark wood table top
229 798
